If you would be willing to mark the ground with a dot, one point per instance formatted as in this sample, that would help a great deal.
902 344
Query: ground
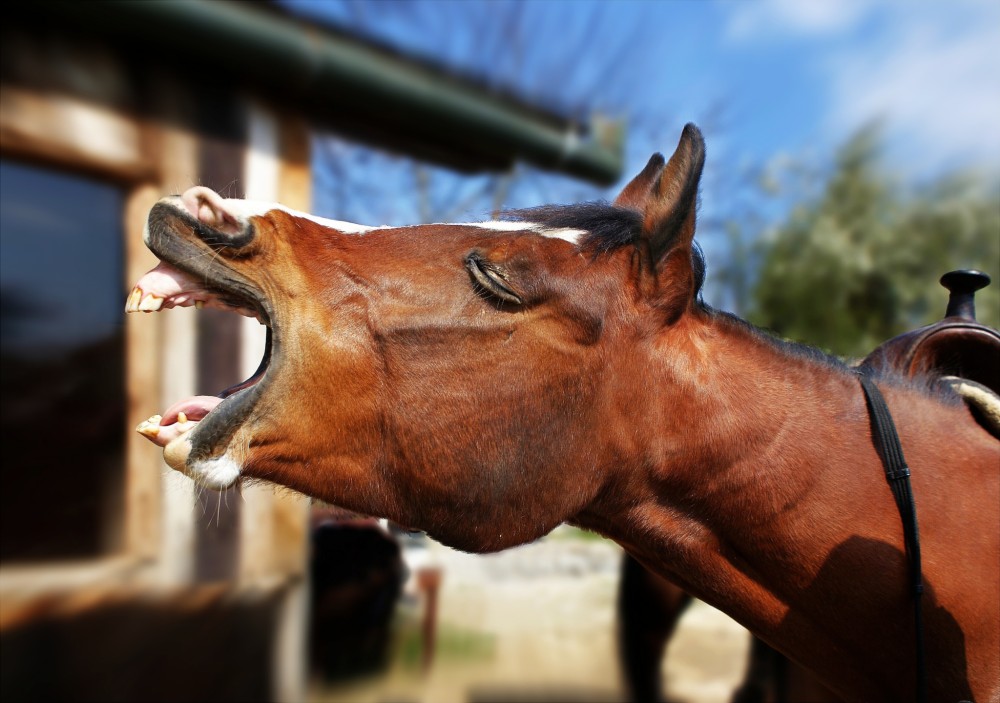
537 624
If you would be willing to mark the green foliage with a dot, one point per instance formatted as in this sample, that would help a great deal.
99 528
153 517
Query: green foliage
860 262
578 534
451 644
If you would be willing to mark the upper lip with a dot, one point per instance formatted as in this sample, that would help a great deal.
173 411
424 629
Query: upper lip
203 259
195 250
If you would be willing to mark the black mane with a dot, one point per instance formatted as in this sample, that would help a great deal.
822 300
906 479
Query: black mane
608 227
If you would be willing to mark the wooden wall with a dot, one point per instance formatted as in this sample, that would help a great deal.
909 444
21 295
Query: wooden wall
78 108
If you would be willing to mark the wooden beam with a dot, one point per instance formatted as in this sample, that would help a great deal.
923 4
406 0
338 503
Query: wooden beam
66 132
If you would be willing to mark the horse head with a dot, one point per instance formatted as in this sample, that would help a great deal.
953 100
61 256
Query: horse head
485 370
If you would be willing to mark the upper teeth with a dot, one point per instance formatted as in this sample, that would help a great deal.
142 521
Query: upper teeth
140 301
137 302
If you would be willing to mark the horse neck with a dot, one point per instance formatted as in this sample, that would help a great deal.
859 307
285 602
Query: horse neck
770 425
739 429
758 485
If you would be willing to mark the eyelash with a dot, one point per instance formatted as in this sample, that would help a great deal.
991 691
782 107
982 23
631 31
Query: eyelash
489 278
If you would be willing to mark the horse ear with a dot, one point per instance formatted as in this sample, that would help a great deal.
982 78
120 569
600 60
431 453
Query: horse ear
669 220
636 194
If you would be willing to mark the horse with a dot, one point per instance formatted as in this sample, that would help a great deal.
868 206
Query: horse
486 382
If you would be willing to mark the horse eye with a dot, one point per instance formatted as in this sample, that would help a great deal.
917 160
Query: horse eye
489 278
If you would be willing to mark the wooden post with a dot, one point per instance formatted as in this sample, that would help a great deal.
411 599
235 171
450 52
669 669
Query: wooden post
429 583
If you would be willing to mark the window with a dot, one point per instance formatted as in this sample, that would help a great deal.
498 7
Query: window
62 394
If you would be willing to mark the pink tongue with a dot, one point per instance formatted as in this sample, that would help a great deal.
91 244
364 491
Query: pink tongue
194 408
175 286
165 287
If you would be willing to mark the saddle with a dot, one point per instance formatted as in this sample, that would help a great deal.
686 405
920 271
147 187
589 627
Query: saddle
957 350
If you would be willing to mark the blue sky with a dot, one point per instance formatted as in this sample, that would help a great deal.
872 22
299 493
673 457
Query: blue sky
766 77
804 74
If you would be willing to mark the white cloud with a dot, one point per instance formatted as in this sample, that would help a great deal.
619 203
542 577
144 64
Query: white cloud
764 19
930 71
933 80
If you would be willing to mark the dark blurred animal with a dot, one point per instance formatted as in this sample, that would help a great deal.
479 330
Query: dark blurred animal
649 608
356 576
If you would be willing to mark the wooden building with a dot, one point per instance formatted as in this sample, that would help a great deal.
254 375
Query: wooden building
119 580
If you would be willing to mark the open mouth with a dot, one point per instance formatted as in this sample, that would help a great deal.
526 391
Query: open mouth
187 234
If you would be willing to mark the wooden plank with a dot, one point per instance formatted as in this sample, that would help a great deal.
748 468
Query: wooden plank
260 175
221 123
135 643
291 516
142 355
281 149
66 132
179 168
274 530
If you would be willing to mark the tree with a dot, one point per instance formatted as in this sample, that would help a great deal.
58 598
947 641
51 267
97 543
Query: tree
859 263
542 53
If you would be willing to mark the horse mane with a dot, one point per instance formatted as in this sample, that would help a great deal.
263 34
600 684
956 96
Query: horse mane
929 385
788 347
608 227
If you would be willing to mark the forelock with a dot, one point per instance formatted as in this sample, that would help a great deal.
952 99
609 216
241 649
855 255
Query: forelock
607 227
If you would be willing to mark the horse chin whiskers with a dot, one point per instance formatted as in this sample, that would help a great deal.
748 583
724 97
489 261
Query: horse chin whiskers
222 472
219 473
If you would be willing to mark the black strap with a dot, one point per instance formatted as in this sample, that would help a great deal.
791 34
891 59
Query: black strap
897 474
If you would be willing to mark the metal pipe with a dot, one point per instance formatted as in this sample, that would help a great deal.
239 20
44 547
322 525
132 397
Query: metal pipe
347 85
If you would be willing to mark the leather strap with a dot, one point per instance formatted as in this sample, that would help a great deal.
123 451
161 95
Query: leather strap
897 474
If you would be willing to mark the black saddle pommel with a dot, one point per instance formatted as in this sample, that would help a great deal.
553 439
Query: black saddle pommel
957 345
962 286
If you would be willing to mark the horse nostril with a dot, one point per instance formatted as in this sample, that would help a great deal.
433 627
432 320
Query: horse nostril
211 209
206 214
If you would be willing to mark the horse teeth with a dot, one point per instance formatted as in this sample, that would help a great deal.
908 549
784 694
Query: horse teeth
150 427
132 304
182 418
151 303
199 304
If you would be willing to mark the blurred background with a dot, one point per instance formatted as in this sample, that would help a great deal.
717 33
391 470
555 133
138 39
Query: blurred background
853 158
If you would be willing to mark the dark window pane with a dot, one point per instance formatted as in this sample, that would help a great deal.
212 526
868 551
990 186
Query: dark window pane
62 374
